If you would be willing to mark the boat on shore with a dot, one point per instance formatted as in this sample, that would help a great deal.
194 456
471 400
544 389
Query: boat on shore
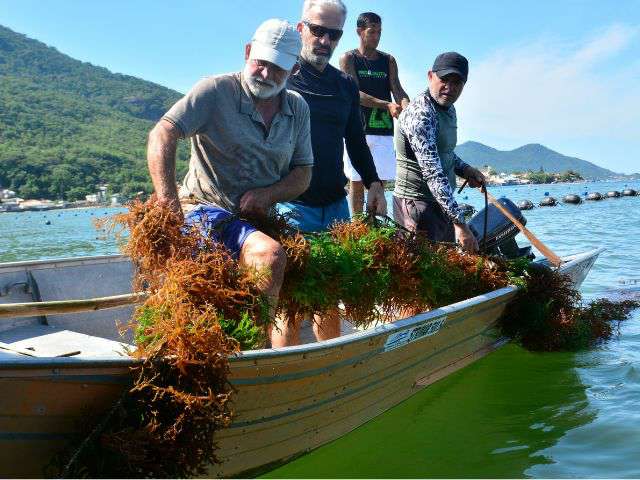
57 369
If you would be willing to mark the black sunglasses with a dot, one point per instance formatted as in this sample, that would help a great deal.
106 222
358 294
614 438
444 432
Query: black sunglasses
320 31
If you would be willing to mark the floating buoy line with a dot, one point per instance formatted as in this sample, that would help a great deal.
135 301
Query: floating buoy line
571 199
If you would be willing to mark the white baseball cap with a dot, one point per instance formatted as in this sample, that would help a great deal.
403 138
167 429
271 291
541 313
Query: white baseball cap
276 41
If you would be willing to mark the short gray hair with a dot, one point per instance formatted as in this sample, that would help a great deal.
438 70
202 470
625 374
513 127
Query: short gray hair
337 4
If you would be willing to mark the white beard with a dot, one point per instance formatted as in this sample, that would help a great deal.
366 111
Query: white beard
261 88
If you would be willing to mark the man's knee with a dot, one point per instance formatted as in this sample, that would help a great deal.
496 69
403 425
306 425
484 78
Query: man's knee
263 250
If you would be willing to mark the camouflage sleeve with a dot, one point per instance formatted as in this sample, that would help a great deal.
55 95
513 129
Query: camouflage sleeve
459 165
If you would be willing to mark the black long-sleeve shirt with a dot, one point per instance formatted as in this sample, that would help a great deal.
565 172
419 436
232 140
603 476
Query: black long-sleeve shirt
334 104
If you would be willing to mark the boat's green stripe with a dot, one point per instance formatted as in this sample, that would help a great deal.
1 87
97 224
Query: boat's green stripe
353 391
344 363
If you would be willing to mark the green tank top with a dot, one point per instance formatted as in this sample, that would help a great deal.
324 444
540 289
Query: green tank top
409 180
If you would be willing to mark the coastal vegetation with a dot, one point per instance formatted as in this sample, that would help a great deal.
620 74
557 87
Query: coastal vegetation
551 177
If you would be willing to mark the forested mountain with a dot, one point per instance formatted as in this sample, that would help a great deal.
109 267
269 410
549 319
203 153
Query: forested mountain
528 157
67 126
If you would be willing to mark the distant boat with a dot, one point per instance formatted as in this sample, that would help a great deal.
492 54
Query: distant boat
55 367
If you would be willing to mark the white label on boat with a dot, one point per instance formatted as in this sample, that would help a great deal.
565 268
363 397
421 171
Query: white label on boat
409 335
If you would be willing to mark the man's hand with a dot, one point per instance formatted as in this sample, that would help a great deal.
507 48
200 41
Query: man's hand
394 109
376 203
465 238
257 200
172 202
474 176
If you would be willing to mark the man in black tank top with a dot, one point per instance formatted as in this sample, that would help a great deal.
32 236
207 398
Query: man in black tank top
376 73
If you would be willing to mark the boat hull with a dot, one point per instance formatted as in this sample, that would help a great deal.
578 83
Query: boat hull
288 400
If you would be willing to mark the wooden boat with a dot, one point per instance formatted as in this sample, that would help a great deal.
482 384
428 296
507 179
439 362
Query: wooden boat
57 369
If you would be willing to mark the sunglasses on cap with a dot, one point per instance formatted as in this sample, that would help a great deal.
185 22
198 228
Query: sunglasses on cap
320 31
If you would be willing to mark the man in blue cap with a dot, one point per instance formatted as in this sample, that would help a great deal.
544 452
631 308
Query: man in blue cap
426 162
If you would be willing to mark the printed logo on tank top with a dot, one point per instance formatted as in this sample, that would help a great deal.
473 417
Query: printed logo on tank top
371 74
380 119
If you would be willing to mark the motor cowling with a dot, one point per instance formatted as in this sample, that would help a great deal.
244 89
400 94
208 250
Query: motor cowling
501 231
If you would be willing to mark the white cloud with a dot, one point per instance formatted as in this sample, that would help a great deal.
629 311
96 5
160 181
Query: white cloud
552 92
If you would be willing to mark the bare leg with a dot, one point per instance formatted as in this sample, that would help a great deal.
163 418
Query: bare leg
356 196
326 328
263 252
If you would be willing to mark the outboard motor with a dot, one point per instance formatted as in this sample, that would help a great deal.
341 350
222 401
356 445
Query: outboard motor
501 231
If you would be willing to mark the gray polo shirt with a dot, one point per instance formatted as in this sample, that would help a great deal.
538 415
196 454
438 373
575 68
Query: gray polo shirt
231 150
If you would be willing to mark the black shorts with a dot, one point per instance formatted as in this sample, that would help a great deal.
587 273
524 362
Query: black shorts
426 217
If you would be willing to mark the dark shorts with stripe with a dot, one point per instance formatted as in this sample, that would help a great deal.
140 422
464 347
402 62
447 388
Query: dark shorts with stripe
219 225
426 217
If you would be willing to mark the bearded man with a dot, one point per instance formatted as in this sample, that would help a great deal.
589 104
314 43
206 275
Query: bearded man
250 149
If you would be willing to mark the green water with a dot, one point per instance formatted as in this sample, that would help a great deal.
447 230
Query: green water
491 419
511 414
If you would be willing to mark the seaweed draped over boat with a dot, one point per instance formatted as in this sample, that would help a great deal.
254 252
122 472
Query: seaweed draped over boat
548 314
204 307
200 310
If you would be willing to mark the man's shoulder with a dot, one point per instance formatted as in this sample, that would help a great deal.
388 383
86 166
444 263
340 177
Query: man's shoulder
349 54
344 78
419 107
225 81
296 102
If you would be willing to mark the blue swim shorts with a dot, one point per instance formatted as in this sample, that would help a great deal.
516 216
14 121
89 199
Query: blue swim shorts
214 223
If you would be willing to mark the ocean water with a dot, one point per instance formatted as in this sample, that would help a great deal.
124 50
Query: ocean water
511 414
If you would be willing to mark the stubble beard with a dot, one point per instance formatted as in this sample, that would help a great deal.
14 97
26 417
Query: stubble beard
319 61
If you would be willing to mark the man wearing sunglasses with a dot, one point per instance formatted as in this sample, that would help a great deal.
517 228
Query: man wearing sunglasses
334 104
376 73
426 163
250 148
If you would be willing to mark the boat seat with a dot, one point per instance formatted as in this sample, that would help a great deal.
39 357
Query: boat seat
48 341
88 281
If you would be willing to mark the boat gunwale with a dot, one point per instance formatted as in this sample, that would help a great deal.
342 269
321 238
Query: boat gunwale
58 262
385 329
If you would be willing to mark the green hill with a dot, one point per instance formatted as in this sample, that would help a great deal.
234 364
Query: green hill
529 157
67 126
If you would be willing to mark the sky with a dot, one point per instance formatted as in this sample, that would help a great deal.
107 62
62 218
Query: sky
563 73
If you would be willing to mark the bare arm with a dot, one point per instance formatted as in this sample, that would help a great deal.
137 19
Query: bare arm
399 95
260 200
366 100
161 159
